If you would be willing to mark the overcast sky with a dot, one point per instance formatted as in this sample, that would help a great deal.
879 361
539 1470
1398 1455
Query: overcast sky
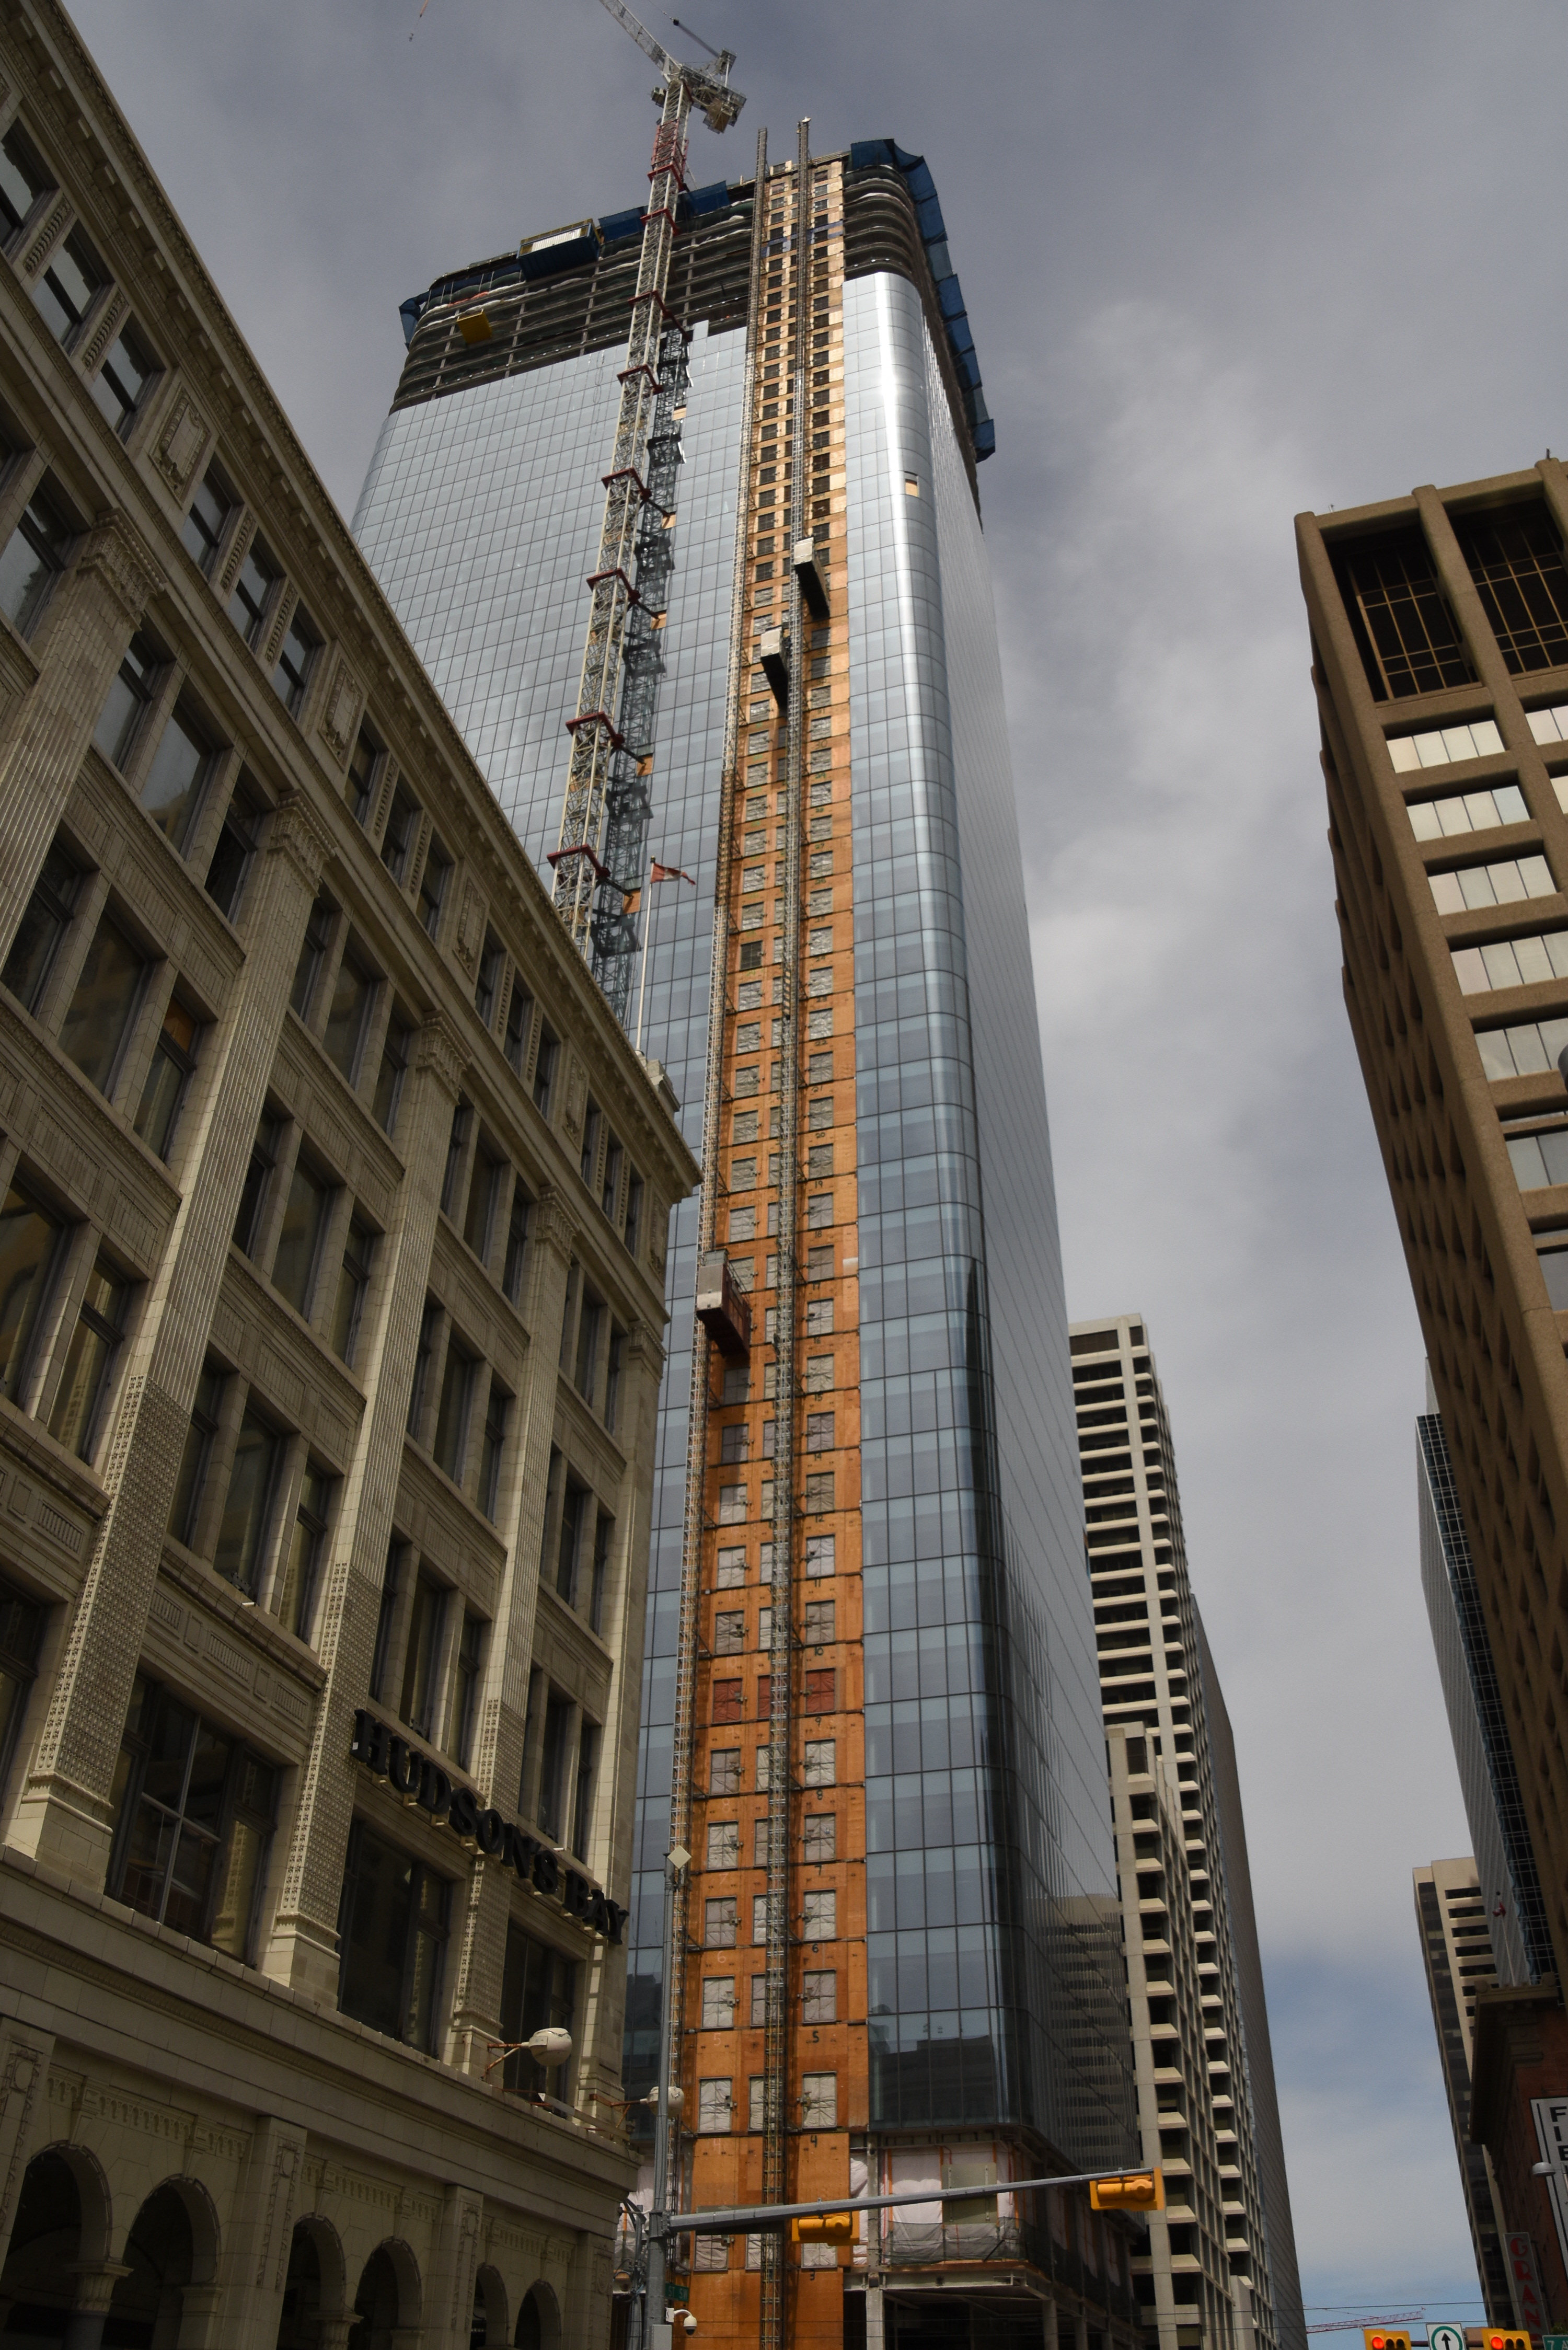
1222 262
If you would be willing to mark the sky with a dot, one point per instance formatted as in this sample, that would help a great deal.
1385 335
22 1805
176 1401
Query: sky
1222 262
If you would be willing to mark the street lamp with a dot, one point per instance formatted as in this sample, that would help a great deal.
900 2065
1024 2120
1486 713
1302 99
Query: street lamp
666 2100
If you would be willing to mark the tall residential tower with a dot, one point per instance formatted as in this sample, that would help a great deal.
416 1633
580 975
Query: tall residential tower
871 1711
1221 2266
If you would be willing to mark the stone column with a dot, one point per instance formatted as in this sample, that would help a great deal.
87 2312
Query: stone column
253 2267
333 2331
198 2317
24 2055
81 645
63 1816
449 2288
95 2290
498 1743
304 1946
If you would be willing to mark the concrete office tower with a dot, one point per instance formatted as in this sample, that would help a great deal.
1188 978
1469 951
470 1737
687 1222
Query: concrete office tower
319 1152
1451 1913
1219 2115
1439 636
871 1695
1489 1782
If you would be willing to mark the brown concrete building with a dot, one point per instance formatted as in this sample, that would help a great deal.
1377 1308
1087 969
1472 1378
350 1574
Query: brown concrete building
332 1251
1455 1950
1220 2267
1439 631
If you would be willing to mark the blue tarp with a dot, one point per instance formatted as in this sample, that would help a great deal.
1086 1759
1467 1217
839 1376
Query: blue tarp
865 155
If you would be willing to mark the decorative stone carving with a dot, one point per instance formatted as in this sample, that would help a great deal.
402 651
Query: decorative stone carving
117 554
181 443
441 1049
340 712
555 1224
470 926
115 309
48 235
577 1098
239 547
301 836
281 618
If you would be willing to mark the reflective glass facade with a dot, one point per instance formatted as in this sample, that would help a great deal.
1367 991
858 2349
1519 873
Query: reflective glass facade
994 1966
994 1989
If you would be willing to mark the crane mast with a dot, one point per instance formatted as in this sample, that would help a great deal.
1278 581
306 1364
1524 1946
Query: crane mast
598 855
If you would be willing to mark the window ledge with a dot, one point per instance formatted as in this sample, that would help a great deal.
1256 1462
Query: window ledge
193 1575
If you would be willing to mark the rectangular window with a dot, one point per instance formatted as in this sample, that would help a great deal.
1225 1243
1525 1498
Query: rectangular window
730 1569
717 2003
734 1442
494 1449
393 1932
819 1768
762 1842
729 1702
713 2105
818 1374
1501 884
301 644
360 784
90 1361
553 1773
818 1625
583 1793
764 1771
43 926
1512 963
456 1153
248 606
1539 1159
120 385
590 1323
176 781
484 1191
353 1288
202 531
819 1914
723 1844
1466 812
354 991
196 1458
610 1189
821 1689
313 954
757 2111
519 1024
465 1687
573 1506
258 1185
819 1995
759 1918
545 1071
195 1820
106 999
819 1837
613 1376
129 699
516 1245
22 180
604 1535
422 1656
719 1923
30 1241
819 1491
724 1771
819 2101
403 830
819 1317
386 1617
247 1504
393 1069
1517 566
434 881
538 1989
759 2008
486 987
451 1445
294 1600
730 1633
1527 1050
70 287
21 1631
304 1218
819 1432
235 850
731 1505
1406 635
35 555
633 1211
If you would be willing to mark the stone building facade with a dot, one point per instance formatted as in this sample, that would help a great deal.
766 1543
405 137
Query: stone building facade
332 1256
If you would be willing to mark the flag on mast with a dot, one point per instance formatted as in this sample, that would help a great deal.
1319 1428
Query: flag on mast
668 873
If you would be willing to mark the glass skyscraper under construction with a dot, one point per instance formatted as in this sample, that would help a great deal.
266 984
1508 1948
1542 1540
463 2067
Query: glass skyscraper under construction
872 1704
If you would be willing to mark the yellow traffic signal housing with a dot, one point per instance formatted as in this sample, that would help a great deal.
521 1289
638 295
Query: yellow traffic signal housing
1497 2337
1386 2337
825 2228
1135 2190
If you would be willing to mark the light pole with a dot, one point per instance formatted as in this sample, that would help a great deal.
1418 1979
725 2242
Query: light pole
664 2102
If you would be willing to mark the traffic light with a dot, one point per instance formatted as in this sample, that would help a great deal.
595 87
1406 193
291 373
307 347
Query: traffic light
1135 2190
825 2227
1384 2337
1495 2338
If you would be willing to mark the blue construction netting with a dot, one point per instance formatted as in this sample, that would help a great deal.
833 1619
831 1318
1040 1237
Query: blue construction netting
865 154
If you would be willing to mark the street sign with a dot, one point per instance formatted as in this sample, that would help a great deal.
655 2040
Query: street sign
1554 2342
1450 2337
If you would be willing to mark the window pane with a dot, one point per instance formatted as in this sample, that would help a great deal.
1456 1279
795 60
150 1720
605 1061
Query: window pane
247 605
294 1267
95 1343
135 683
242 1529
291 675
172 791
196 1455
69 286
426 1621
104 1004
42 926
378 1906
34 558
173 1058
389 1077
123 378
28 1238
203 526
23 179
235 1905
451 1419
353 992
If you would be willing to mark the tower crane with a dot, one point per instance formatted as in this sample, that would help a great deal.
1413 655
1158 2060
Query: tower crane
604 810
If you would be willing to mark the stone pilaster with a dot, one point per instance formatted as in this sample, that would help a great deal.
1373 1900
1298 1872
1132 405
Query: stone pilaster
81 645
449 2289
498 1756
25 2054
63 1816
304 1948
258 2236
